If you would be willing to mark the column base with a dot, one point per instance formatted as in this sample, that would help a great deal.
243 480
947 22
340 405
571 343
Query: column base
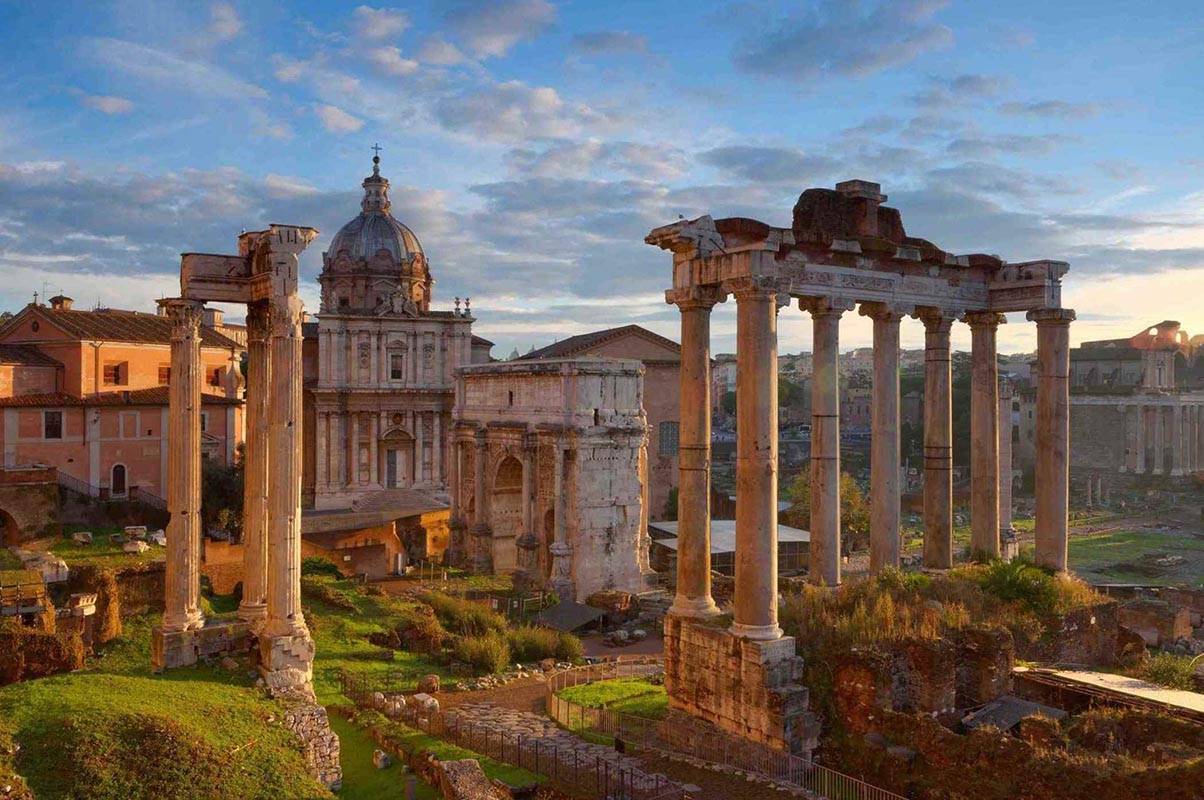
759 633
254 614
286 665
191 621
171 649
694 607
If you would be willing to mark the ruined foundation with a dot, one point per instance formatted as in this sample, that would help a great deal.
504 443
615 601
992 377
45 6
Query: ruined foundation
747 687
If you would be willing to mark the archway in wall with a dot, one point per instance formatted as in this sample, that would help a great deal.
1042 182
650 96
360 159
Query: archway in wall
10 534
506 513
396 468
117 482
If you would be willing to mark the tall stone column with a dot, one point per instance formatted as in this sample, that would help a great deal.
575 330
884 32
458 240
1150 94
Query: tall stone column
561 550
253 607
1159 437
884 441
984 434
938 441
1139 465
825 439
1006 531
286 649
693 597
528 540
1177 440
1053 435
182 610
756 601
482 546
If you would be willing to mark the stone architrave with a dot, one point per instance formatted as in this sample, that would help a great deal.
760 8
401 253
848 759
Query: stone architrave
286 649
693 595
182 611
253 608
1053 436
756 601
938 441
984 434
884 443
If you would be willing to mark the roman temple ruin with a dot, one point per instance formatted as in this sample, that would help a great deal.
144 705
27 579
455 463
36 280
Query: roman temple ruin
844 249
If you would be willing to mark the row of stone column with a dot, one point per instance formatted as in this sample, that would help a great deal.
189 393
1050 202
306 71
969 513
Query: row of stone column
1155 429
757 442
272 501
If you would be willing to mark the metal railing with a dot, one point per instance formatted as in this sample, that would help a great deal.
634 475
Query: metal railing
76 485
141 495
711 745
569 769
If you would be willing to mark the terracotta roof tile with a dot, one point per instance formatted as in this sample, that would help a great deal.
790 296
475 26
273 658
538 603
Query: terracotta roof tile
25 355
114 325
154 396
575 345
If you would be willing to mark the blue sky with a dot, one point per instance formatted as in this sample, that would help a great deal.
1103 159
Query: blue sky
531 144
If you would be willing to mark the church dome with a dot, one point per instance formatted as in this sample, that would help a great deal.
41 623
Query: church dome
371 232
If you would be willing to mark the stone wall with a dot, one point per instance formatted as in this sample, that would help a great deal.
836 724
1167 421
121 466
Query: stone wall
171 649
30 499
319 744
749 688
1083 636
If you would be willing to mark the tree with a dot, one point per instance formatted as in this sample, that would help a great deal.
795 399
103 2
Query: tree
729 403
854 509
671 505
222 495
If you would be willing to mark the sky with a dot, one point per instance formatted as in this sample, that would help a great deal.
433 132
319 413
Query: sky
532 144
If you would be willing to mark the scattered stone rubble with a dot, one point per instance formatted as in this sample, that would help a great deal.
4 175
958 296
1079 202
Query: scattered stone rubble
309 723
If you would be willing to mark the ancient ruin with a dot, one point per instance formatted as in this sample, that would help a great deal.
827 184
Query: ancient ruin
264 276
548 474
844 249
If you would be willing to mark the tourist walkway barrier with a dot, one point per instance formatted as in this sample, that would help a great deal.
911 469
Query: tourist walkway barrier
710 745
574 771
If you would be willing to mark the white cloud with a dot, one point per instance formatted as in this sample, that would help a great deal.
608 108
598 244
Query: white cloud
287 186
513 111
224 22
336 120
288 70
492 27
181 74
390 61
439 52
108 104
379 23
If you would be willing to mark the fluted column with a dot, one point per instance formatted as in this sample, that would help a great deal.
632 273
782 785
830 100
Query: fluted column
253 607
693 596
182 611
884 441
1053 435
984 434
756 601
825 439
1006 531
938 441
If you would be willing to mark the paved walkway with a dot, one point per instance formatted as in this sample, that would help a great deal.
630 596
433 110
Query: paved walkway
1123 685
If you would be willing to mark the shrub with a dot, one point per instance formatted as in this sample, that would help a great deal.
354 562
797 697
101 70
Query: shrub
1170 670
420 630
314 565
533 643
568 647
464 617
322 589
487 653
1020 581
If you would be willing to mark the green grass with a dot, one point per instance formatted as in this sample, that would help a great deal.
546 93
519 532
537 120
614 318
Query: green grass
1169 670
114 730
8 560
102 552
1119 556
361 779
636 696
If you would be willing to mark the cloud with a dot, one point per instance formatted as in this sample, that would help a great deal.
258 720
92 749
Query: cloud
379 23
108 104
985 146
188 76
336 120
439 52
945 93
493 27
286 186
999 181
838 38
1056 109
601 43
575 158
513 111
390 61
770 164
876 125
224 22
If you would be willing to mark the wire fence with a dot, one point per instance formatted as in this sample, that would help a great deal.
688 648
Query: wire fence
573 770
705 742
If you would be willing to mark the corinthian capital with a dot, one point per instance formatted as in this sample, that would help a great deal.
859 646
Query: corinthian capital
185 316
825 306
885 312
984 319
1051 316
285 316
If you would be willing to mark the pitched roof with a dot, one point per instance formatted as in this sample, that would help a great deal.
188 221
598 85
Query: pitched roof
575 345
115 325
481 340
154 396
25 355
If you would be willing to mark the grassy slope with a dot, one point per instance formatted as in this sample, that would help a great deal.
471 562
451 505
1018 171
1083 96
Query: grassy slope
627 695
1111 555
361 779
102 552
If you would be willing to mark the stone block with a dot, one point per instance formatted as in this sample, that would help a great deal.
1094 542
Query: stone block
82 537
135 546
381 759
429 684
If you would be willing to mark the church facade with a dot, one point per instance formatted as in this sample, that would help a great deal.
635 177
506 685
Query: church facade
380 371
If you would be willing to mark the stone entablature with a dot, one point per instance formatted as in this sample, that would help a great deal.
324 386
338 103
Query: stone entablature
547 477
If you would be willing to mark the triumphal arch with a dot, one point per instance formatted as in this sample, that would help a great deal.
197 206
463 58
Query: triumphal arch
263 275
844 250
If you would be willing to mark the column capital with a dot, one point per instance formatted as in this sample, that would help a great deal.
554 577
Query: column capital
885 312
184 314
752 287
984 319
695 297
936 320
284 316
825 306
1051 316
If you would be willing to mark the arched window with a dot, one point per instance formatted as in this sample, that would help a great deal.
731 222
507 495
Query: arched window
117 483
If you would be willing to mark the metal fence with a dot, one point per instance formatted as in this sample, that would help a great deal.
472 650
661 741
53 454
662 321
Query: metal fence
569 769
710 745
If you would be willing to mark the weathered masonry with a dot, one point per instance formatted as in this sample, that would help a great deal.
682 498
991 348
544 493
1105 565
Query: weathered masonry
845 249
264 276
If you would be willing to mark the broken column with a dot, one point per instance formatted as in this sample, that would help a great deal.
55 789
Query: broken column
984 434
938 441
253 608
1053 435
693 596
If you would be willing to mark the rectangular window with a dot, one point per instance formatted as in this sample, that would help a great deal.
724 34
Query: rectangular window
116 373
164 374
396 367
215 376
204 420
52 424
668 433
